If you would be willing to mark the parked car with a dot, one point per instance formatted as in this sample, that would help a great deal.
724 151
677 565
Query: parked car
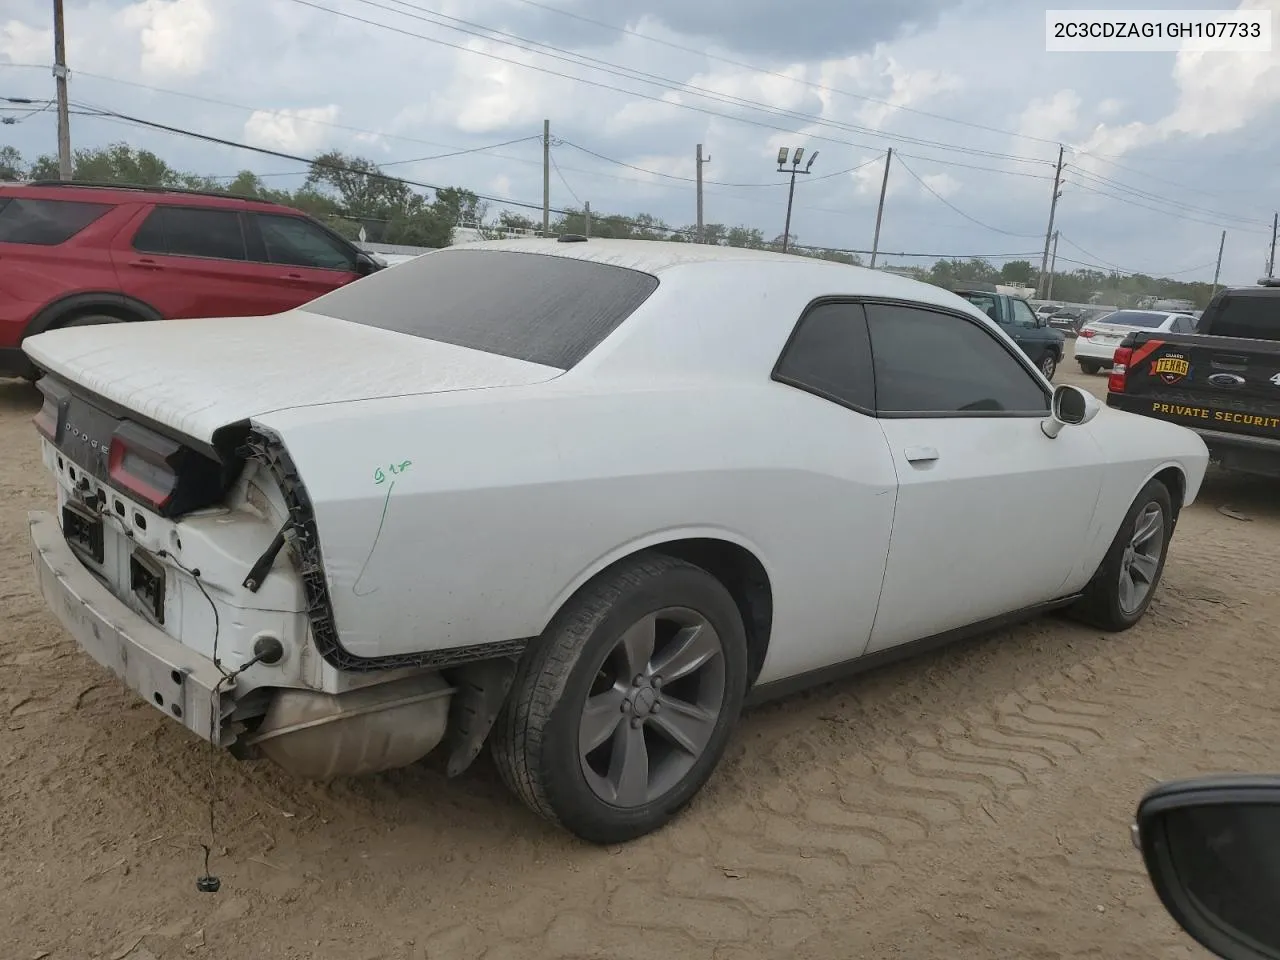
600 492
1046 310
79 254
1211 847
1098 339
1223 380
1043 345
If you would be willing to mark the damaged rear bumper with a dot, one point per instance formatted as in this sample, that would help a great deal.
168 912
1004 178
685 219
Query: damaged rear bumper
174 679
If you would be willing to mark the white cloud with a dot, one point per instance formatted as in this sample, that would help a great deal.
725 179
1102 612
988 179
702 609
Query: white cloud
23 43
176 35
942 184
301 131
1052 118
1217 93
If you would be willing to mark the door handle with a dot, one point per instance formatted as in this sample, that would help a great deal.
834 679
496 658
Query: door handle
145 264
921 454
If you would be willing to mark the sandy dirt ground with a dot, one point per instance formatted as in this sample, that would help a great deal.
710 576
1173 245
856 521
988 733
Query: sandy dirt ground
974 803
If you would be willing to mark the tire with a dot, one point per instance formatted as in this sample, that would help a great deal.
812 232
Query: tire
1103 604
1090 367
87 320
582 654
1049 364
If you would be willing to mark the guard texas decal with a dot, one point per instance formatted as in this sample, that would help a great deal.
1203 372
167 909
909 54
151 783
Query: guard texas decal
1171 368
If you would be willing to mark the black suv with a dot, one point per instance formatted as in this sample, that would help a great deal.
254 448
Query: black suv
1044 345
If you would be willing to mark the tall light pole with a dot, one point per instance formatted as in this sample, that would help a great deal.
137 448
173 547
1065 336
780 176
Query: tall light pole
796 157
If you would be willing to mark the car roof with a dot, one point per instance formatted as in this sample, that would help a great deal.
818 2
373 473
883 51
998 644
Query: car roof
85 191
658 257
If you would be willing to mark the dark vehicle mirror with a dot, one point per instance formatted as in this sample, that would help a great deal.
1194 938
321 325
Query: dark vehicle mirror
366 264
1212 850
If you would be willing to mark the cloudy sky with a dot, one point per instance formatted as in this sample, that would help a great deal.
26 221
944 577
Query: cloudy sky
1164 150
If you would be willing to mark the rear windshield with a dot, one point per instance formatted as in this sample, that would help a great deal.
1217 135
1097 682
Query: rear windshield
534 307
45 222
1134 318
1251 317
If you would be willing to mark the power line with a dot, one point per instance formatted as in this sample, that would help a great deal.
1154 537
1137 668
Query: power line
292 116
1108 269
1179 215
470 27
551 155
310 161
1147 195
673 85
1116 266
985 226
782 76
718 183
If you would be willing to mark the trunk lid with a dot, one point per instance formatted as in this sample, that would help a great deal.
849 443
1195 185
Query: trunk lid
195 376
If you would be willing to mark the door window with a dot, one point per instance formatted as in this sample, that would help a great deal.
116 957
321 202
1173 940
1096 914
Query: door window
929 363
45 222
986 302
1022 314
296 242
829 355
192 232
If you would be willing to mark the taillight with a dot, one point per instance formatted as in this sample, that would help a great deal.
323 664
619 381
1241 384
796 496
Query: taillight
141 463
1086 333
47 417
1119 369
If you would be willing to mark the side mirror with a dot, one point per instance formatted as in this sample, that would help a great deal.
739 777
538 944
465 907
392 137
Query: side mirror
1212 850
1071 407
365 264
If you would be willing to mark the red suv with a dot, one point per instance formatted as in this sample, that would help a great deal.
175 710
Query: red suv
76 254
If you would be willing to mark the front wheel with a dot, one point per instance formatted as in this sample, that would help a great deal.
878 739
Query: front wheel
620 712
1049 365
1120 592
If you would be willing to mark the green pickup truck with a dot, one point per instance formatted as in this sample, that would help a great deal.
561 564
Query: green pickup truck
1043 344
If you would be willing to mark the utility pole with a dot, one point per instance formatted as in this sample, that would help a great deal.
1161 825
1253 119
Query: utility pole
1053 267
586 218
546 178
1053 209
1218 269
884 186
791 195
701 161
60 78
1271 261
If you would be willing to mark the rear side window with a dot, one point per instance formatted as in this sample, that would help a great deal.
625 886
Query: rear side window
535 307
45 222
301 243
192 232
829 355
928 362
1250 317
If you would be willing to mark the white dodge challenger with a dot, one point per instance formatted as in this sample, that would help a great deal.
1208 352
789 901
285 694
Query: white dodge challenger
578 500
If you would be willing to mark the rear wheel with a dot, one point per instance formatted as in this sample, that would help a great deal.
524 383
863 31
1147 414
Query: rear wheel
1120 592
1090 366
621 710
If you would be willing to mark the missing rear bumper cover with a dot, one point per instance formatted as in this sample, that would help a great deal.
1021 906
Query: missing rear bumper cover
268 449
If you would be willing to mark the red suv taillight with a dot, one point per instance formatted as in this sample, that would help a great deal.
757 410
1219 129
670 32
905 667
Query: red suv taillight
1119 369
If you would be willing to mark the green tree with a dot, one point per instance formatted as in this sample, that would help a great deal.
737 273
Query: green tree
12 166
1018 273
